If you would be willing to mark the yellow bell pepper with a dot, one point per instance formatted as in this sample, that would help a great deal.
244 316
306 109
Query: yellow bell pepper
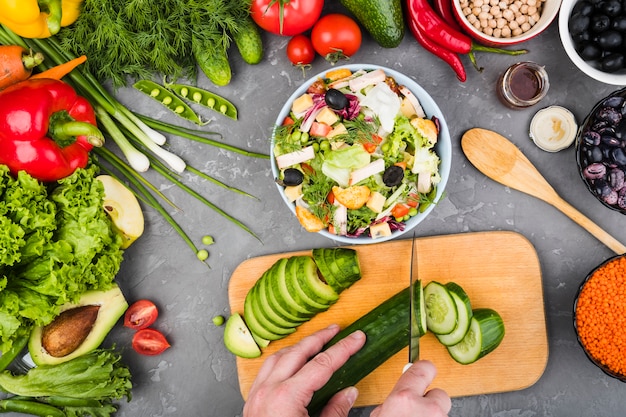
38 18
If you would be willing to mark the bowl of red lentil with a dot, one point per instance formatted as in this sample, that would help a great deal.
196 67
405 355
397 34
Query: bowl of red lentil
504 22
600 316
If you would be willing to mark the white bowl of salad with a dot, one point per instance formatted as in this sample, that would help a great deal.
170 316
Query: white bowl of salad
361 154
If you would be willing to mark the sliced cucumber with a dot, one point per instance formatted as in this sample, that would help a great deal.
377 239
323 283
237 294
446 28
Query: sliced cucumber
238 339
419 315
464 310
307 275
441 314
484 335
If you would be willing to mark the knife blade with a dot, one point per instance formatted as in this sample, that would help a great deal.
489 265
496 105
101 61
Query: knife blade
414 331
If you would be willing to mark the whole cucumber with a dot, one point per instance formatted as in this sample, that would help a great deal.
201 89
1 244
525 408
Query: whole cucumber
383 19
249 42
213 61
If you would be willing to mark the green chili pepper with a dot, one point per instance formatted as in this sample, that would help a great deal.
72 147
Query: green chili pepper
171 101
30 407
205 98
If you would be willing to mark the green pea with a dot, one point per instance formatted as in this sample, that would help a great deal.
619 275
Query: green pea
218 320
207 240
184 92
202 254
325 146
173 102
413 211
295 136
207 99
316 147
304 138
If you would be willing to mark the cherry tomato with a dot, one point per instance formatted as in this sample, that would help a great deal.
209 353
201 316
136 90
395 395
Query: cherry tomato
149 342
300 50
400 210
140 314
297 15
336 36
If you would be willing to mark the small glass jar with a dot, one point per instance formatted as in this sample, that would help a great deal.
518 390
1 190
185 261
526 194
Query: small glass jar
523 84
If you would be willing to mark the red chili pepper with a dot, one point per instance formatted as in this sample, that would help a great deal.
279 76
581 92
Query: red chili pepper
437 30
446 55
444 9
46 129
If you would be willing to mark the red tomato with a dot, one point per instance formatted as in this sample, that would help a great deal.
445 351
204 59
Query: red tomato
297 15
140 315
399 210
149 342
300 50
336 36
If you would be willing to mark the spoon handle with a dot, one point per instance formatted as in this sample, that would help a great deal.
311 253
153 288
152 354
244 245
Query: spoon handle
587 224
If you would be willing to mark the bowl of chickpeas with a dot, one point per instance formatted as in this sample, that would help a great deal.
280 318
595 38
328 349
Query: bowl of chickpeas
504 22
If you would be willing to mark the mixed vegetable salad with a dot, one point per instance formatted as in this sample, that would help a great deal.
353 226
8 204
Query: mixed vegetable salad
356 154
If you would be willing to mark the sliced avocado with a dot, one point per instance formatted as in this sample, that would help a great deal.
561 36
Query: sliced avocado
285 293
253 323
238 339
263 303
82 325
260 314
291 279
308 277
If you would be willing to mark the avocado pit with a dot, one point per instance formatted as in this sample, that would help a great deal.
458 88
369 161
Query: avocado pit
69 330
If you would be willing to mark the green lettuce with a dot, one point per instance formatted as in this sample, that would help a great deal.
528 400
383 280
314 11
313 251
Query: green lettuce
56 242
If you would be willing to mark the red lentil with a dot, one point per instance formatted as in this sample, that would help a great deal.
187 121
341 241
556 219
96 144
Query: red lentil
601 315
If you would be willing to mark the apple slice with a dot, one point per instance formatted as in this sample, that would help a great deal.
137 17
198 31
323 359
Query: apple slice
238 339
123 208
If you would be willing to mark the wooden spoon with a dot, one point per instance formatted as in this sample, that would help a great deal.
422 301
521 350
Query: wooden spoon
499 159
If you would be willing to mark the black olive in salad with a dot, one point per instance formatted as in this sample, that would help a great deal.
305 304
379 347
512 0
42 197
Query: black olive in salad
601 151
598 30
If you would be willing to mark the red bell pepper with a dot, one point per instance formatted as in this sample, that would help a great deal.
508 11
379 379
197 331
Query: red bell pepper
46 129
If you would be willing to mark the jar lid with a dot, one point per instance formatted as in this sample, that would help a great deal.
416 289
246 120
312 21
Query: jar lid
553 128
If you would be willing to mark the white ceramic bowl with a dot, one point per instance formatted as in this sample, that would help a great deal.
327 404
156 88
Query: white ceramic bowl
588 68
443 149
549 13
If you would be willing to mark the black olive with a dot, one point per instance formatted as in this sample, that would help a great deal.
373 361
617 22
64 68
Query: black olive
585 8
335 99
291 177
589 51
600 23
610 40
619 23
393 176
579 23
612 7
612 62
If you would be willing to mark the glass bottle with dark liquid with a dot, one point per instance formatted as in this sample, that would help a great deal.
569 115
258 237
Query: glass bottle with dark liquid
523 85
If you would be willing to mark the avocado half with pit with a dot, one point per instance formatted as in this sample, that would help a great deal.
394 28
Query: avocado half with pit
79 328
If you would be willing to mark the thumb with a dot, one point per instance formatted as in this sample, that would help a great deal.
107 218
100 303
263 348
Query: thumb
341 403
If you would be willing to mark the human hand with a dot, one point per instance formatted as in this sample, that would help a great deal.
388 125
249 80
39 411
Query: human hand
288 378
410 398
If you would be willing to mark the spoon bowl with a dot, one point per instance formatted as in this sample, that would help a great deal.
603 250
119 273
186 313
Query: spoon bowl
499 159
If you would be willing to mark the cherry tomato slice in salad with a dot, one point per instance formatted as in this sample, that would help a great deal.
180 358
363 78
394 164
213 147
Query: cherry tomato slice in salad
335 34
297 15
300 50
140 314
149 342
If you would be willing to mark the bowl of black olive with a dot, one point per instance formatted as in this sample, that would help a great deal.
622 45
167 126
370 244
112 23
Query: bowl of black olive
593 34
601 151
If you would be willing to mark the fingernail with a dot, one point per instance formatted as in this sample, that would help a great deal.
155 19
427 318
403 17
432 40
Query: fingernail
351 394
333 327
357 335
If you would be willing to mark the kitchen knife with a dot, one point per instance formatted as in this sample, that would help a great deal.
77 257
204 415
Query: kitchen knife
415 308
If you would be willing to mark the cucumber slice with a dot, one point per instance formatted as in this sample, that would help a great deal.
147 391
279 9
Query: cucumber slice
464 310
310 282
262 318
441 314
238 339
484 335
419 316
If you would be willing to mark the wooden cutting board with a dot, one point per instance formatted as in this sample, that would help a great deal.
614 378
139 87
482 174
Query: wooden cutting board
499 270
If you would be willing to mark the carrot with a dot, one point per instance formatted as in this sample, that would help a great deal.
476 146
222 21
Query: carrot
601 315
16 64
60 70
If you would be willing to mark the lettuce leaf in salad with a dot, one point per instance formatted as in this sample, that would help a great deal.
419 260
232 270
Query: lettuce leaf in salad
57 242
339 163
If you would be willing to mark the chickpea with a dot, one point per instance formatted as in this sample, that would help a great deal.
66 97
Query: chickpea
472 19
488 31
508 14
506 32
497 32
525 27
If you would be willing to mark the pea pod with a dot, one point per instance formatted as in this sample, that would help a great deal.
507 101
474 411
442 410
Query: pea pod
205 98
169 100
30 407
